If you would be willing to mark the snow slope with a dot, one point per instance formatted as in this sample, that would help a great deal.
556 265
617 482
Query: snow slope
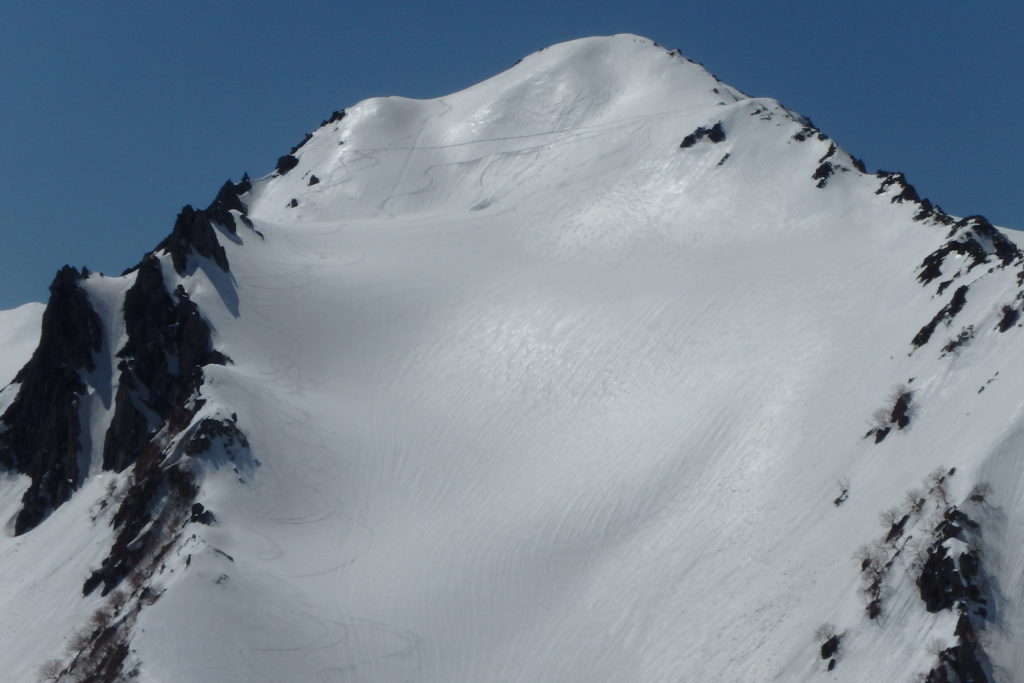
536 394
19 333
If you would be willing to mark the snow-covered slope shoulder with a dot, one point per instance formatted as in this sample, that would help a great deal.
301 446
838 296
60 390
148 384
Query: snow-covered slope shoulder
19 334
599 370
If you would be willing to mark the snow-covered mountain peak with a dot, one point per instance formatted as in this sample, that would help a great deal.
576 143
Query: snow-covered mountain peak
465 149
595 371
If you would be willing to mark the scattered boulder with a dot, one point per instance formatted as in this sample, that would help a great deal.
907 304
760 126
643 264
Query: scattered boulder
830 647
1010 316
200 515
715 134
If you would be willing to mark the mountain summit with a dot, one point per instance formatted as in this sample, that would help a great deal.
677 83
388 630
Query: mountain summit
598 370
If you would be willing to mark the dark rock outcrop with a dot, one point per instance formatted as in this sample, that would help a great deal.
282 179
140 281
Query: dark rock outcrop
715 134
960 340
334 117
208 431
42 435
975 238
228 199
830 647
957 581
823 173
200 515
161 364
907 192
943 583
1009 318
194 232
961 663
946 313
900 415
296 148
154 507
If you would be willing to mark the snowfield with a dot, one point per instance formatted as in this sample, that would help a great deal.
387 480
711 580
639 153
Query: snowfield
19 333
535 394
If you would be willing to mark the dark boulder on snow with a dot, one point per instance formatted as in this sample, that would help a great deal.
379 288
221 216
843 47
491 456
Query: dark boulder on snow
286 163
830 647
715 134
1009 318
200 515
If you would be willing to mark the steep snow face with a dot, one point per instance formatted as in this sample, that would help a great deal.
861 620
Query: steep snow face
19 334
566 377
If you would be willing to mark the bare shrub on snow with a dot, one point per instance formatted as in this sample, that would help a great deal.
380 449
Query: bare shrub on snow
914 501
51 670
938 484
889 517
935 647
824 632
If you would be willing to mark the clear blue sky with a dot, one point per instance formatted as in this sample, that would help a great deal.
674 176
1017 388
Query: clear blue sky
115 114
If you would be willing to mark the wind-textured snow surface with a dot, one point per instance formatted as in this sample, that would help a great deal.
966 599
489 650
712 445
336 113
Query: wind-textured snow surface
536 391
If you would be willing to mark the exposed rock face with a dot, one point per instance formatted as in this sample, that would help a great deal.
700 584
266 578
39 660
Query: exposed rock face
228 199
193 231
168 343
975 238
41 435
209 431
333 118
161 367
954 579
961 663
148 521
